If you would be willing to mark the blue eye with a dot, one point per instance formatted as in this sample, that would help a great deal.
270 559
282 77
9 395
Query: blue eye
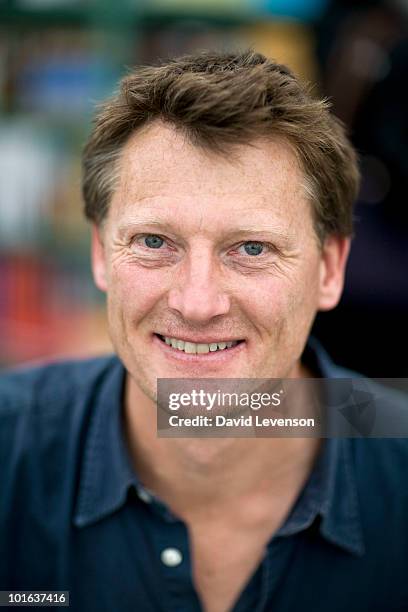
253 248
153 242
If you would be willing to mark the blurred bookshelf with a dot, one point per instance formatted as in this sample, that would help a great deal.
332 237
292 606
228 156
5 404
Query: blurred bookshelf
57 60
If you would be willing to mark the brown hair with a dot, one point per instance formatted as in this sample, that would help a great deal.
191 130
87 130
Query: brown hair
220 100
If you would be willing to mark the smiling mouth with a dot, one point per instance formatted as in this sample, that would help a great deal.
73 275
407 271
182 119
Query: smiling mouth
193 348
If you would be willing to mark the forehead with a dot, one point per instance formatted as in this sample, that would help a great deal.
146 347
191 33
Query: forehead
162 171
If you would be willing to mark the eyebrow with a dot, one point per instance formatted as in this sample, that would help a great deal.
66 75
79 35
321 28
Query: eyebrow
131 226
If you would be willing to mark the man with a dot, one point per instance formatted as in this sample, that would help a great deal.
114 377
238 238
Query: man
221 195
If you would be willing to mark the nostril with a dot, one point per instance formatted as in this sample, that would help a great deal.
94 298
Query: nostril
198 305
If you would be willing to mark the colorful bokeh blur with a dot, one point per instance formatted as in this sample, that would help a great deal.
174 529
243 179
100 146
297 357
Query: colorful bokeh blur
58 58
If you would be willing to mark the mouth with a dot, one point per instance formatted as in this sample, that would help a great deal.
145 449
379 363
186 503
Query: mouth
199 348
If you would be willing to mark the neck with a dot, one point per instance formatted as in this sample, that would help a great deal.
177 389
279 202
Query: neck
191 474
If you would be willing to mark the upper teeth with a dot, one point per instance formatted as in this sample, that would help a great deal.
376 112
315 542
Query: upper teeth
192 347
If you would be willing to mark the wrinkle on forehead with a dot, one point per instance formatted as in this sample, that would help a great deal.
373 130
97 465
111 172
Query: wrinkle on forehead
161 157
259 184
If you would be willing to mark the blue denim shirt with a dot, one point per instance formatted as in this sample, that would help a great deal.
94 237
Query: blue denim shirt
74 516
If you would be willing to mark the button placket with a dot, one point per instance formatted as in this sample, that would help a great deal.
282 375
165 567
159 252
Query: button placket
173 552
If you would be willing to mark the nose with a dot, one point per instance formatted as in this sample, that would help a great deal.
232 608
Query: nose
198 296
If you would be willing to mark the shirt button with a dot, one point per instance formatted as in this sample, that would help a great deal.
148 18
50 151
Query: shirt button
171 557
144 496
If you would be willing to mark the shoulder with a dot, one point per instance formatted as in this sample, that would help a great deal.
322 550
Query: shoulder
380 454
358 405
46 406
385 458
45 415
378 428
33 388
383 409
376 408
381 467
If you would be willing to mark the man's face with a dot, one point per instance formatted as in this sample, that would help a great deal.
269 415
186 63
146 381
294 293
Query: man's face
202 250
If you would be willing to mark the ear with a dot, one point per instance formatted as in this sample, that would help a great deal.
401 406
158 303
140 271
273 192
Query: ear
333 262
98 258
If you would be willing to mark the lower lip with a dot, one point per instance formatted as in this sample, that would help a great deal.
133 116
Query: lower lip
210 357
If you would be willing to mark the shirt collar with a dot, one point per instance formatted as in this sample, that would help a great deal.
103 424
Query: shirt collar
330 497
106 473
330 494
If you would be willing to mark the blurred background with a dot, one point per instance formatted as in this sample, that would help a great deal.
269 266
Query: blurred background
58 58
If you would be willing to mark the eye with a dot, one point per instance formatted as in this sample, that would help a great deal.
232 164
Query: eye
152 241
253 248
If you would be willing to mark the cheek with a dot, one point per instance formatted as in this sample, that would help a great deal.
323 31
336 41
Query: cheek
302 304
276 301
265 302
134 290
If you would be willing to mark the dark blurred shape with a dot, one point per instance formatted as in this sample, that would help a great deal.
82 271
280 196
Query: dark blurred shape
363 51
